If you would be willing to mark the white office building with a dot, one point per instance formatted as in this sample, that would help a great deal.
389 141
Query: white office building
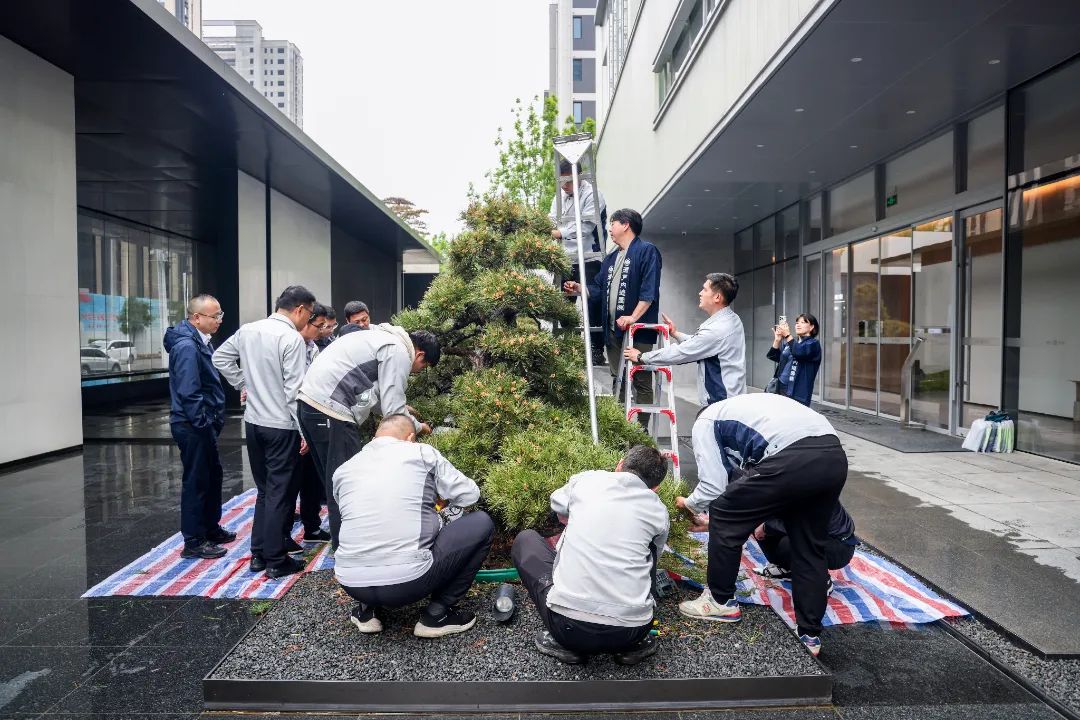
188 12
273 67
907 172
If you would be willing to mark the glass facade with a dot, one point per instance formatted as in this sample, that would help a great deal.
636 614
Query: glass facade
133 284
852 204
920 176
980 347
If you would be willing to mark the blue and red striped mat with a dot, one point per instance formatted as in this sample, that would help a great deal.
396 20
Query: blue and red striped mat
870 589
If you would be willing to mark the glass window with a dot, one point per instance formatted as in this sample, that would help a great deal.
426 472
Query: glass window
894 317
744 308
792 304
813 302
932 299
815 220
764 320
577 27
981 347
986 150
578 72
835 325
578 119
744 250
1051 118
851 205
864 324
920 176
788 246
1049 306
765 242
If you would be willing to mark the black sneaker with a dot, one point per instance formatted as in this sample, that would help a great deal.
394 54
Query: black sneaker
646 648
365 620
221 536
293 548
319 536
289 567
451 622
257 564
547 645
205 550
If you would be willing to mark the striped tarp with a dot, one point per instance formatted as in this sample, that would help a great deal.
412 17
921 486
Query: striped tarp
163 572
869 589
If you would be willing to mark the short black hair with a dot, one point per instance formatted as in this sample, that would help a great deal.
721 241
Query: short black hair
330 314
318 310
631 218
647 463
348 328
426 342
724 284
807 317
355 306
565 168
293 297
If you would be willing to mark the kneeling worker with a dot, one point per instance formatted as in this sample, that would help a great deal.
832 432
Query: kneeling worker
391 549
784 461
773 538
594 591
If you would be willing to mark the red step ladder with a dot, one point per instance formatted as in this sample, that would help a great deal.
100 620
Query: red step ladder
663 387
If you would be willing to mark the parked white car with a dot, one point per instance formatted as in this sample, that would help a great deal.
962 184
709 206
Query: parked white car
122 351
95 361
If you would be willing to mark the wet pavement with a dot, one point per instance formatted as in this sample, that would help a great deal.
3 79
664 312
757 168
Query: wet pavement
69 522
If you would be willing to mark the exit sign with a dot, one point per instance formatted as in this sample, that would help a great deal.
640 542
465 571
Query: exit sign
890 200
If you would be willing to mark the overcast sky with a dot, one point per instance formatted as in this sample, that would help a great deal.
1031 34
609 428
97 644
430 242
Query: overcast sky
408 94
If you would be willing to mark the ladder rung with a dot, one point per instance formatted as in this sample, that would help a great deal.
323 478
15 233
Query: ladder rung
649 408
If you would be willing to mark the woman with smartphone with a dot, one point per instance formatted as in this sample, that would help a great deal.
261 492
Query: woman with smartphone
798 357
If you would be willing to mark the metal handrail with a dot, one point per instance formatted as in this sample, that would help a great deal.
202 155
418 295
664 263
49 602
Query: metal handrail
905 381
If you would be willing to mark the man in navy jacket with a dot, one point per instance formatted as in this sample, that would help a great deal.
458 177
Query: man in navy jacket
629 288
198 414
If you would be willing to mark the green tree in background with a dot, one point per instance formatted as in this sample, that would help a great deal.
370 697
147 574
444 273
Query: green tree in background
134 316
408 212
526 170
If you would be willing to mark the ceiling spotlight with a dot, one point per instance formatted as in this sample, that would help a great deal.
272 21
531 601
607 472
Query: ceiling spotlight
689 205
760 146
813 172
995 61
663 227
856 59
708 190
853 147
780 190
734 217
730 171
910 112
799 109
716 228
755 204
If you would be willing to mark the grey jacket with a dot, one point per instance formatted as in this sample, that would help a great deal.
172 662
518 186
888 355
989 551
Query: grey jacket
387 494
719 349
361 372
268 359
616 529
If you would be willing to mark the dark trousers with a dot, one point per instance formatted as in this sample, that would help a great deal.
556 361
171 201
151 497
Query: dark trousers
534 559
274 456
331 442
200 496
777 549
643 381
457 554
592 268
312 495
800 485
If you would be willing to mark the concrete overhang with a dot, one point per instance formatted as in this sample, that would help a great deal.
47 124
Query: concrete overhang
161 121
821 116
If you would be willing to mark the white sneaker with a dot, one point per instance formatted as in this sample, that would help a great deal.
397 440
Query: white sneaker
365 620
705 608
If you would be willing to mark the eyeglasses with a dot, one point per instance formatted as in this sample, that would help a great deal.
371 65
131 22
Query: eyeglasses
318 327
215 316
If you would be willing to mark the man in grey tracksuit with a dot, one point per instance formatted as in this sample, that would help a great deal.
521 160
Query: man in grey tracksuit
718 347
393 549
593 592
267 358
360 373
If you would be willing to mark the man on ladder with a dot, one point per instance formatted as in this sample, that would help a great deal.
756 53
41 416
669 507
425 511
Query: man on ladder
628 286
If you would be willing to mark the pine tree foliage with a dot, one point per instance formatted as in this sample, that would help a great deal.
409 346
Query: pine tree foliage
510 396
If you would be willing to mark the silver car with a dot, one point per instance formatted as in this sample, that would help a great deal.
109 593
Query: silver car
95 361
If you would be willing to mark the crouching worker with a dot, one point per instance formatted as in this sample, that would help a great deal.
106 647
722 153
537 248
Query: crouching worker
773 538
594 591
760 457
392 549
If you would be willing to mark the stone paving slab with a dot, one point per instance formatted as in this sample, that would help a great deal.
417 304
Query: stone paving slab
306 637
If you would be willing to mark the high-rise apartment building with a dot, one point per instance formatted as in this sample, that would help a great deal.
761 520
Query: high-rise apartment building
274 67
573 69
188 12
